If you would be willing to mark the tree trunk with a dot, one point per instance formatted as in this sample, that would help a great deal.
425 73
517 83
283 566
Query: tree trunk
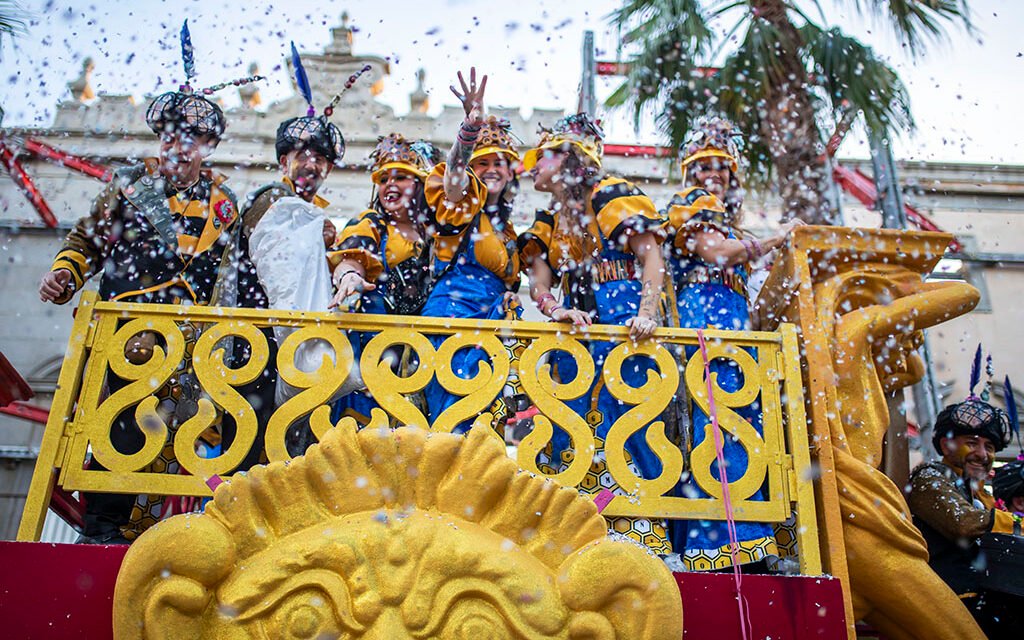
789 127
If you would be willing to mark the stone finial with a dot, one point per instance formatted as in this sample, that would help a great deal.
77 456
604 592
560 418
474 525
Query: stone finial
250 93
341 38
81 88
419 101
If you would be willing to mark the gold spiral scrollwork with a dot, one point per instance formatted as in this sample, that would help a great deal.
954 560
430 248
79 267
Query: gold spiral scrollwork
479 391
317 387
218 382
654 395
144 380
390 390
549 396
703 456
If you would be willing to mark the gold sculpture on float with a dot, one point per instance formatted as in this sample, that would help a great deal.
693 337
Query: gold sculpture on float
861 303
393 534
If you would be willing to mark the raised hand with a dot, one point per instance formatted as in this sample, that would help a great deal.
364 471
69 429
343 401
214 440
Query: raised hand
472 97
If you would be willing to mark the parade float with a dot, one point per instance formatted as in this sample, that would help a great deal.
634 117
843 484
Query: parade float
403 529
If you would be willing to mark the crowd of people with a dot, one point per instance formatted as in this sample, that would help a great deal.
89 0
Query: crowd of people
437 240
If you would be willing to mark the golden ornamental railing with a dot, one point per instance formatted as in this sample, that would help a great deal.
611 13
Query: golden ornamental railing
85 408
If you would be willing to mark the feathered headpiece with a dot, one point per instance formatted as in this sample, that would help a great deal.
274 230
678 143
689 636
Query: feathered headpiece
711 138
975 416
187 110
310 131
1011 412
577 130
394 152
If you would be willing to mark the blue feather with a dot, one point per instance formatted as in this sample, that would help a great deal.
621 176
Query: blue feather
187 54
302 81
975 370
1011 406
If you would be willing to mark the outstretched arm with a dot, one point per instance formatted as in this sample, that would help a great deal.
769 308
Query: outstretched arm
456 182
716 249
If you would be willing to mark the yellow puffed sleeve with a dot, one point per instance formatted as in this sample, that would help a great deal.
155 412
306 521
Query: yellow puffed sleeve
696 209
535 242
623 210
359 242
454 214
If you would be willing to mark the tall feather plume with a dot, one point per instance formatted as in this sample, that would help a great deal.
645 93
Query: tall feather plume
975 371
187 53
1011 407
302 81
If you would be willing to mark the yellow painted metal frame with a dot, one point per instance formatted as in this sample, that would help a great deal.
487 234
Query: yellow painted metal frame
83 410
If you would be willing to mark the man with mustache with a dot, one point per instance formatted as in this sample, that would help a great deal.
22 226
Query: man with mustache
954 511
157 233
307 148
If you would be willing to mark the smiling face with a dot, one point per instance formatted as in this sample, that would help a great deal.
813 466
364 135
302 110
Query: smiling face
712 174
494 170
182 155
972 453
396 191
307 170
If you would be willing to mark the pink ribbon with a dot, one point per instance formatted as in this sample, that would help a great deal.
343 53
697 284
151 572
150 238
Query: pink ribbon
603 497
730 519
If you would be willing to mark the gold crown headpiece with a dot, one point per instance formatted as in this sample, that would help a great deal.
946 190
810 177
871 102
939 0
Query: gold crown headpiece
712 138
496 137
577 130
395 152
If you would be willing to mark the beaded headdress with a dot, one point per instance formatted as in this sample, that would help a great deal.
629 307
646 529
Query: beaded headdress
711 138
394 152
577 130
311 131
975 416
187 110
496 137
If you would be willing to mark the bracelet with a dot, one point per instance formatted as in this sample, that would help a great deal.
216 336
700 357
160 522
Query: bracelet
337 279
749 248
758 249
468 133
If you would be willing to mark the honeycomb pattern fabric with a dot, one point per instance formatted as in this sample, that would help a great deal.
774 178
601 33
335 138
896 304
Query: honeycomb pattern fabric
650 533
720 558
310 132
185 113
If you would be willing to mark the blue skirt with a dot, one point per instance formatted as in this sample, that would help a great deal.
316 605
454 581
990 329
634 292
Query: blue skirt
704 544
467 291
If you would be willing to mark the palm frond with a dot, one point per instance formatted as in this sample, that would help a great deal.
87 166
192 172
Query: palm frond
920 22
12 18
852 76
674 34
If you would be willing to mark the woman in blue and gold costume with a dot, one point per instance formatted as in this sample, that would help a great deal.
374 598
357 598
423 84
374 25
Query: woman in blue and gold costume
475 265
383 255
709 261
601 242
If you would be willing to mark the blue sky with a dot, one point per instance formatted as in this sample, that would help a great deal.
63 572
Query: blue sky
965 94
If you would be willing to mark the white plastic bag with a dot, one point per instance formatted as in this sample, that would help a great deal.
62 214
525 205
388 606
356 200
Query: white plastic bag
287 247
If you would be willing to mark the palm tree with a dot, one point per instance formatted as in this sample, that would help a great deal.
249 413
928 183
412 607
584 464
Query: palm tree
778 74
12 21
